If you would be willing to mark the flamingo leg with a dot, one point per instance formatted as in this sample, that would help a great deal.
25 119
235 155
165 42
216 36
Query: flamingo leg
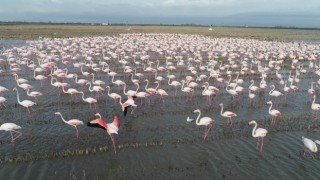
258 142
207 131
113 143
77 132
261 144
14 138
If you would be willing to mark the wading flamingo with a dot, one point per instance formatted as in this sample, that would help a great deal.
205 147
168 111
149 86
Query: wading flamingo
227 114
24 103
274 113
259 133
71 122
12 128
204 121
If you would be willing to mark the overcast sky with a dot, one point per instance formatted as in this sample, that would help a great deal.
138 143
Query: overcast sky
300 13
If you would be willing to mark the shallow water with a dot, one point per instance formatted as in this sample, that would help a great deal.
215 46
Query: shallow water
157 141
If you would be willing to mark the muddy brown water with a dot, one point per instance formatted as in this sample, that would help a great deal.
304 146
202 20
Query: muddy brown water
156 142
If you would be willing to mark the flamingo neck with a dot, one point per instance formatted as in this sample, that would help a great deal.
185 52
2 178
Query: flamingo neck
221 110
146 87
108 90
157 85
182 85
271 91
251 84
62 118
270 107
205 88
314 99
138 86
198 118
92 78
18 97
112 79
254 130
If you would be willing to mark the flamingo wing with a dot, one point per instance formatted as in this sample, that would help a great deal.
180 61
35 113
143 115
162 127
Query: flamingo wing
99 123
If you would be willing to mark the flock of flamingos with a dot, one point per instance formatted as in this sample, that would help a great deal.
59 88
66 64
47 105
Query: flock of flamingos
153 63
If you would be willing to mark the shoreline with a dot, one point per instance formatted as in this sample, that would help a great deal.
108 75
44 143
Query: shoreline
32 32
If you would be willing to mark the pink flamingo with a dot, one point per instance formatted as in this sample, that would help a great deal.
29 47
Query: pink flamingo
127 104
34 94
259 133
114 96
204 121
227 114
274 113
12 128
89 100
111 128
71 122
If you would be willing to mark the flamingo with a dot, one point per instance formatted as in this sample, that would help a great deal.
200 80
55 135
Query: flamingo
187 90
127 104
70 91
89 100
97 82
24 103
12 127
252 87
251 96
97 89
161 92
114 96
71 122
111 128
34 94
315 106
150 90
311 91
204 121
310 146
259 133
208 93
227 114
176 84
274 113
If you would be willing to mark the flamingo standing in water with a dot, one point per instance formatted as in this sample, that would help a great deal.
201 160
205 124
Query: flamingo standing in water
127 104
228 115
34 94
259 133
24 103
12 128
111 128
204 121
71 122
315 107
310 146
274 113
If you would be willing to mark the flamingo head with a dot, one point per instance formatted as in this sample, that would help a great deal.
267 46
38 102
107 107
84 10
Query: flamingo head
269 102
98 115
252 122
221 104
197 110
56 113
317 141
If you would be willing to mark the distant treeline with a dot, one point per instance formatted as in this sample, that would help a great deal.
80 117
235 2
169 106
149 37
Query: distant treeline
161 24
